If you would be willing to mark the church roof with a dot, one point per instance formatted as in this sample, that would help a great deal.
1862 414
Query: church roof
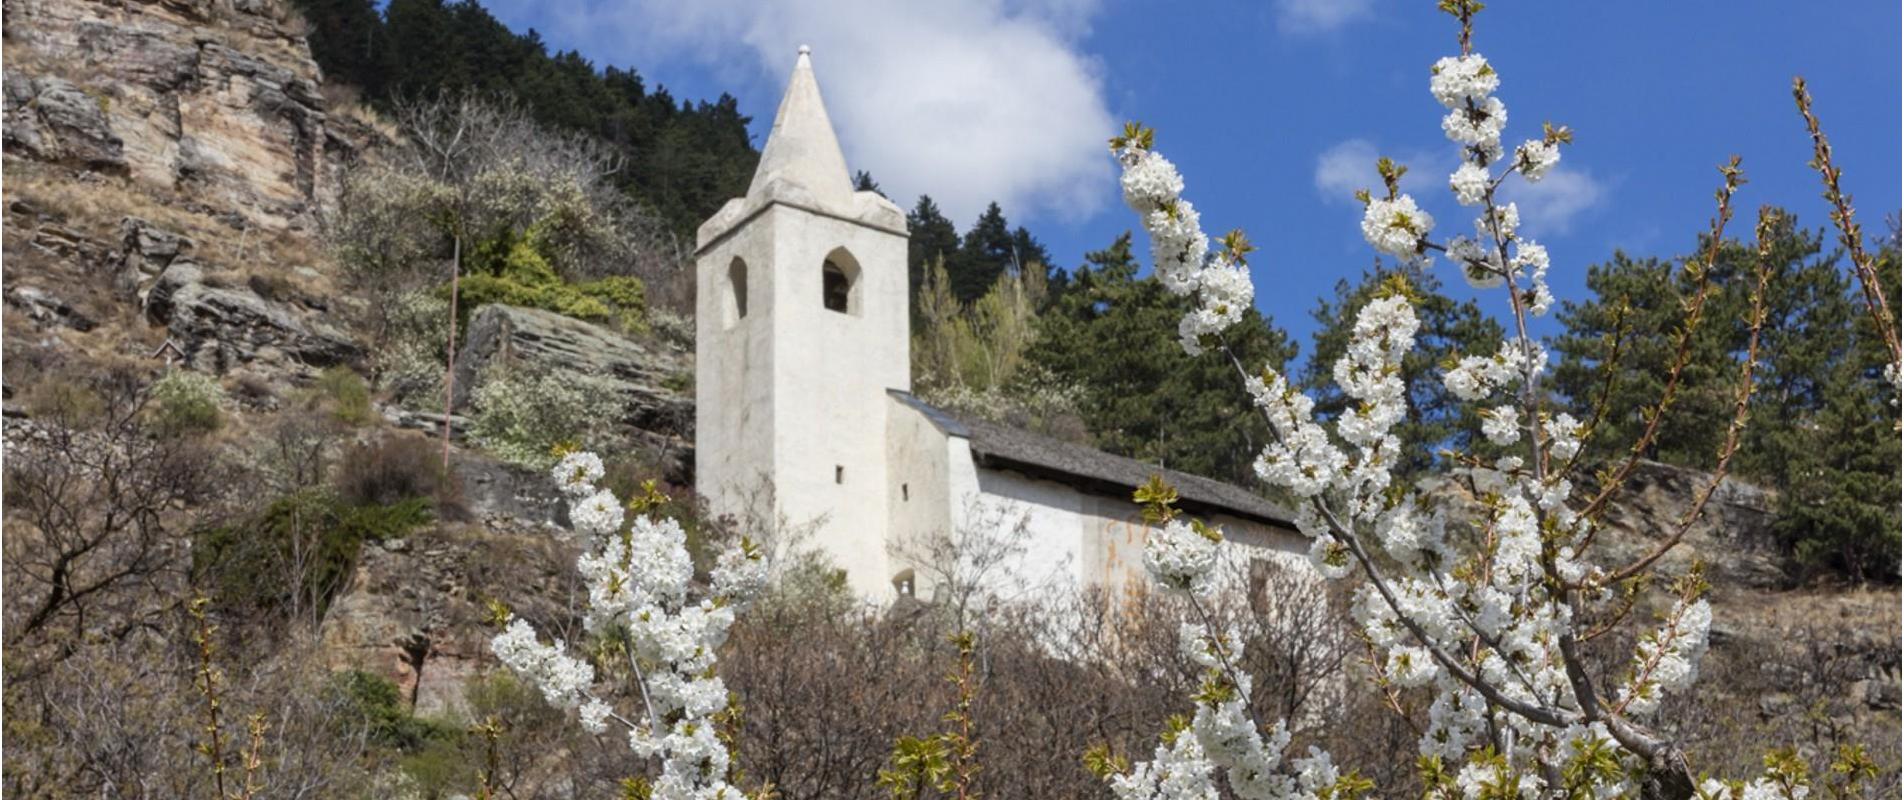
802 150
1005 447
802 166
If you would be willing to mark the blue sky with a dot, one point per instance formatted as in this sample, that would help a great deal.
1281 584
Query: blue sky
1274 110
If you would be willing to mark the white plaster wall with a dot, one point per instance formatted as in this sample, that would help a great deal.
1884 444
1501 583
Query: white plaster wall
831 372
733 402
1057 530
794 395
1095 540
919 459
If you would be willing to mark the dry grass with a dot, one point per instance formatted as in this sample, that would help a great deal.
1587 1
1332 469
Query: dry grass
94 205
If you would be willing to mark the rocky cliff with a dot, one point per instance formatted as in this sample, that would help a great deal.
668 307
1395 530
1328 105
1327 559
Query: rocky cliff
169 166
214 100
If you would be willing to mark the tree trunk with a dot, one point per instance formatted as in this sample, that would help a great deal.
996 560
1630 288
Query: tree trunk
449 371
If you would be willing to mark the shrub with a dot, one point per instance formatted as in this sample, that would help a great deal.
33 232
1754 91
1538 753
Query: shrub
343 393
69 402
374 702
521 416
411 367
511 269
294 556
185 403
391 470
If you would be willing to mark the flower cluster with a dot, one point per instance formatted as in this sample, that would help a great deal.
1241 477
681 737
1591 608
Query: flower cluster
1482 615
1223 737
1667 659
1396 227
1182 556
638 574
1180 250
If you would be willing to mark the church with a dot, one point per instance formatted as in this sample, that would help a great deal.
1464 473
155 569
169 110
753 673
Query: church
804 403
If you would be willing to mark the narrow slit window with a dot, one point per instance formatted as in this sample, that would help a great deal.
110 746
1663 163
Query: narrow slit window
839 474
737 290
905 492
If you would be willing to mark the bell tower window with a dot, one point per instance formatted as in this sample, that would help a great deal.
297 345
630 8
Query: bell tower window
839 282
837 288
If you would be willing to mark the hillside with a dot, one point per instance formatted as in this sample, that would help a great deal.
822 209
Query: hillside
201 398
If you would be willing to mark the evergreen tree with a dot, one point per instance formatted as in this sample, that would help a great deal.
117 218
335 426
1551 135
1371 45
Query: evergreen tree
933 237
1449 330
347 38
1029 252
1837 448
1640 303
984 254
1821 429
682 159
1114 334
863 182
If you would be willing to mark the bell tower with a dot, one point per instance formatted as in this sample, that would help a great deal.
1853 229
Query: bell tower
801 326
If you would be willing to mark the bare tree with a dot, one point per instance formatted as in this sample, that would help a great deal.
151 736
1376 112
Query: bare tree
96 507
980 563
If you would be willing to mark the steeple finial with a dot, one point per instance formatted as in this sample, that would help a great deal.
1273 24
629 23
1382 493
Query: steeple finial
801 150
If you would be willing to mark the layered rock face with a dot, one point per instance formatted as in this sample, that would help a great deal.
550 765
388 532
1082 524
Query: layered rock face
215 99
646 379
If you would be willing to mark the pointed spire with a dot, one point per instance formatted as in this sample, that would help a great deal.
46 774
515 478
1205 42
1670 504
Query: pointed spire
802 150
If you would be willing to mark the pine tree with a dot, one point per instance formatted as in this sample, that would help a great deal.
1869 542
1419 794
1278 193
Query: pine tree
683 159
1114 334
1837 450
933 237
347 37
1821 430
1640 303
985 253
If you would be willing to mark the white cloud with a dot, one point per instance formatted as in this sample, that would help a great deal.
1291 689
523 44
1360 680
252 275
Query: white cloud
1550 207
967 101
1319 16
1350 165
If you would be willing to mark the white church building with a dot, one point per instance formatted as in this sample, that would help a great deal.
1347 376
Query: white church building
803 397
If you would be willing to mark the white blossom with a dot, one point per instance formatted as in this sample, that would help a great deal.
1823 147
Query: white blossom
1501 425
1478 126
1470 183
637 576
1480 264
1667 660
1563 435
577 472
1396 227
1180 556
1536 158
1458 80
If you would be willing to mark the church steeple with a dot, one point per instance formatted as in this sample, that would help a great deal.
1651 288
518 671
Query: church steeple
802 154
800 332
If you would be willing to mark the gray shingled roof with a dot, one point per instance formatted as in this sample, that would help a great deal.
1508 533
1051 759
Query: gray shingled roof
1005 447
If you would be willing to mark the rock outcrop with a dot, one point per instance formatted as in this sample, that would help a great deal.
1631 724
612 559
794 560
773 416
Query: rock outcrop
215 99
416 610
55 120
220 327
645 379
1733 537
43 307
